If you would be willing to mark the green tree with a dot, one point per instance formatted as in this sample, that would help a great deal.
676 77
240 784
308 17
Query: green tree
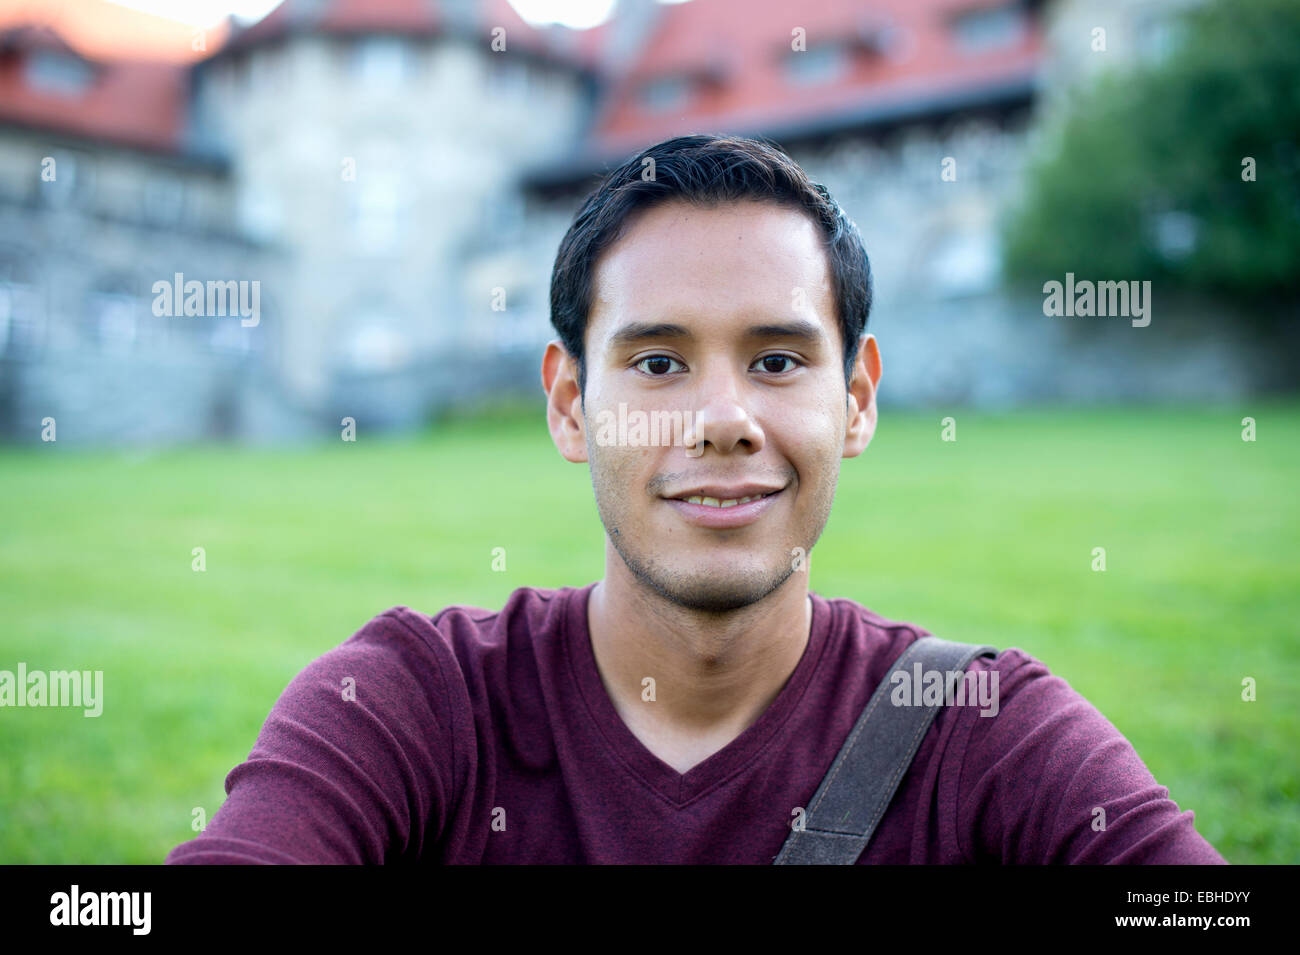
1150 175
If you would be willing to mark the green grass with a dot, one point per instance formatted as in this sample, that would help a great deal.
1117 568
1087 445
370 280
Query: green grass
986 539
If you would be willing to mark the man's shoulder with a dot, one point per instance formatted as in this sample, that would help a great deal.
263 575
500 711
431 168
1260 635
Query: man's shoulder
531 609
462 640
883 640
1025 698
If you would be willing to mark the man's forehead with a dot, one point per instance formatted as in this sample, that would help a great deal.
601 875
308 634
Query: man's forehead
685 265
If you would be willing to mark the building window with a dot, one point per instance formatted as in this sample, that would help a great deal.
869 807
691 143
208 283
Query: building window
820 63
371 342
503 214
73 179
268 69
896 43
113 321
164 199
375 213
980 31
260 214
20 320
507 75
381 61
231 337
58 73
665 94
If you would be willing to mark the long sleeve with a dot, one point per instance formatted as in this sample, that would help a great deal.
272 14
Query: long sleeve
339 780
1051 780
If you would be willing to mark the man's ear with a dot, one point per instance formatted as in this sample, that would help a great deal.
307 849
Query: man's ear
564 414
860 423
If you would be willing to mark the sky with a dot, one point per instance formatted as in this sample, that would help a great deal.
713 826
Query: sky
573 13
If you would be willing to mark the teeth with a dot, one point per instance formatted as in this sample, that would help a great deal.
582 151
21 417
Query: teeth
714 502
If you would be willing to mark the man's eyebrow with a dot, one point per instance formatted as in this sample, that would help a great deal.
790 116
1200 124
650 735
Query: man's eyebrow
641 331
801 329
636 332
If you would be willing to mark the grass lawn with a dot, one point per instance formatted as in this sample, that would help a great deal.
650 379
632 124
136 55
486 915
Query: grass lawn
985 539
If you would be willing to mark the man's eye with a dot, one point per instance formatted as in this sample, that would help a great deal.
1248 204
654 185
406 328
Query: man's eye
657 365
772 363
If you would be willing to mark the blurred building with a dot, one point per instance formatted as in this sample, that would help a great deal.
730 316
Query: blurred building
395 177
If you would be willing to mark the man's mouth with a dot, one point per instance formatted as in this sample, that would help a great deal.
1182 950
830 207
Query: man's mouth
714 502
722 507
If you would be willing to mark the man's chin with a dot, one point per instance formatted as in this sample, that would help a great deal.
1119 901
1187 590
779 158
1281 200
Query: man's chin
711 593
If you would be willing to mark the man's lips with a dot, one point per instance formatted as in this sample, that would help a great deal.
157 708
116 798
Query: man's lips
725 492
713 515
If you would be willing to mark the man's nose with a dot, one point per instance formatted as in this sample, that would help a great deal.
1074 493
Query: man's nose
722 418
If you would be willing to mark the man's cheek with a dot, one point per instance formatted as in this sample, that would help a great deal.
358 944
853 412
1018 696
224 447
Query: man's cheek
621 469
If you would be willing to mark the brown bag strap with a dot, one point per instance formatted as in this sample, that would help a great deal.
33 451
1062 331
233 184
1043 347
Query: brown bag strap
853 797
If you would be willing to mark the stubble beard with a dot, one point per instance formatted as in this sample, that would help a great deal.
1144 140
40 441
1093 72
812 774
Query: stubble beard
703 592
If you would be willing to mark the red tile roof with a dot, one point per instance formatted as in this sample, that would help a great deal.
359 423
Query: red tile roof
108 31
736 53
134 104
337 16
737 50
139 92
410 17
137 64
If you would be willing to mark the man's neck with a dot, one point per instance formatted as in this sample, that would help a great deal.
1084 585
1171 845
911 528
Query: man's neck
713 674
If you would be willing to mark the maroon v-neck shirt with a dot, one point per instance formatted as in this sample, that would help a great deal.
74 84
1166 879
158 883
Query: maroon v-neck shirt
488 737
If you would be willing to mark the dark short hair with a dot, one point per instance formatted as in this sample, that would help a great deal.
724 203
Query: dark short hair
706 170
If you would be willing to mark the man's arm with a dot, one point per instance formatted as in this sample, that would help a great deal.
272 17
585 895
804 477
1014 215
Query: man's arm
334 779
1051 780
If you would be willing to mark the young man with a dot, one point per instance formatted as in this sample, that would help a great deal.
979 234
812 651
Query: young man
684 708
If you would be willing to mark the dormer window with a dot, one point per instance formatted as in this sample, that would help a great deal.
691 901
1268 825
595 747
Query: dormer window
507 75
666 93
820 63
995 28
62 74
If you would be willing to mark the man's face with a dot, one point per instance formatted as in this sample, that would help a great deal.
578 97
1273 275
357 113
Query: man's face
724 316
